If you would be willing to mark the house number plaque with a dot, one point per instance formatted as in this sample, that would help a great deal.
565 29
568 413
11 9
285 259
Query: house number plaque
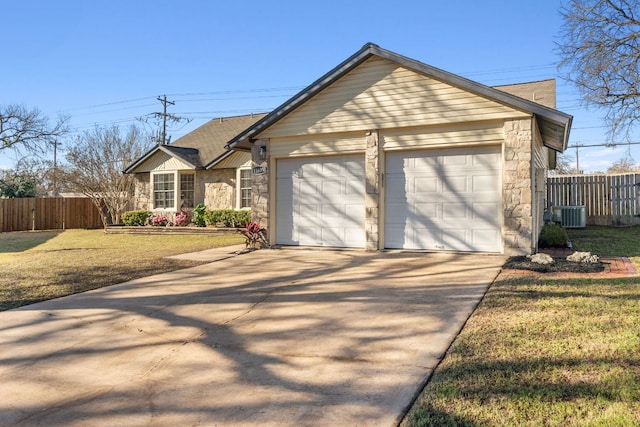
259 170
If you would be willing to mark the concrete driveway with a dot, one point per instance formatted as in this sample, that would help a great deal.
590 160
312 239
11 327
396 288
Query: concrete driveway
274 337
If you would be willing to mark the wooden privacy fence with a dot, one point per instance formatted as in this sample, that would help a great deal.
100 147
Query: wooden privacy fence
608 199
48 213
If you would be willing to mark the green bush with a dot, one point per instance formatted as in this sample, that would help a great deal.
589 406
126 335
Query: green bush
140 217
553 236
228 217
199 213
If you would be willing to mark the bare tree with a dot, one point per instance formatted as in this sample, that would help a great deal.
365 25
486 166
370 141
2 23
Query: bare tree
95 163
21 128
625 164
599 51
564 165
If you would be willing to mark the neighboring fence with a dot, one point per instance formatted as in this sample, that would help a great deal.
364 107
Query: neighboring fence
48 213
608 199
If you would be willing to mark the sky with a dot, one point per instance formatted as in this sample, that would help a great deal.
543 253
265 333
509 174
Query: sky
105 62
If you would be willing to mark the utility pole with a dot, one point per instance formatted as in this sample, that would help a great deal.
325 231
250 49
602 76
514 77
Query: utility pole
55 166
164 115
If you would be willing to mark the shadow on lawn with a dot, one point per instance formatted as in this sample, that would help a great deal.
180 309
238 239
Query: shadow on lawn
20 241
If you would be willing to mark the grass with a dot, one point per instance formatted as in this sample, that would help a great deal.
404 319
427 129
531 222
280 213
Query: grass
38 266
545 352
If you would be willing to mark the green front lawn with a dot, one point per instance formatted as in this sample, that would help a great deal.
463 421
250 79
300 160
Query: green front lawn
546 352
38 266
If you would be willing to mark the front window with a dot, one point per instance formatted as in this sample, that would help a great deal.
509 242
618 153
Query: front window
187 187
245 188
163 191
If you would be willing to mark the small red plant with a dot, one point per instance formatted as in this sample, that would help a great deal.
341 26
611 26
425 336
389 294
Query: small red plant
254 235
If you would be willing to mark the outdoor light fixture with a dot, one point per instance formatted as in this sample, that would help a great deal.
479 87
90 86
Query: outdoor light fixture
263 152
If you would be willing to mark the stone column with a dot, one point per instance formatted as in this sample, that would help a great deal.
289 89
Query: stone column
516 188
260 184
372 191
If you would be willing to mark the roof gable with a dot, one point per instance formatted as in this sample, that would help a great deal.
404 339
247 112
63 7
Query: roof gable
203 147
380 94
554 125
159 158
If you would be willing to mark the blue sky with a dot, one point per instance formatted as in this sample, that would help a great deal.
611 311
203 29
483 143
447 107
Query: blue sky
105 62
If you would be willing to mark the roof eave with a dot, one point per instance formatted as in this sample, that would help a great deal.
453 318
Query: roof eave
131 168
217 160
243 141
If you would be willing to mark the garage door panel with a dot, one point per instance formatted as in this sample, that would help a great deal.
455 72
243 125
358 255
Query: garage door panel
488 160
320 201
425 237
425 185
455 184
444 199
489 212
353 187
483 183
455 160
485 240
455 211
428 211
456 238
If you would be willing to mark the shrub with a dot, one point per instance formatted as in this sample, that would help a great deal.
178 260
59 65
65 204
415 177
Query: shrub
181 218
159 221
228 218
140 217
199 215
553 236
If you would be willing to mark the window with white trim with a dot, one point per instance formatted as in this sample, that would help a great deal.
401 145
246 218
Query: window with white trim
244 188
187 190
163 190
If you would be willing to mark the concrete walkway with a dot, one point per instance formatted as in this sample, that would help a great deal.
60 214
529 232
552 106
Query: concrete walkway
211 255
268 338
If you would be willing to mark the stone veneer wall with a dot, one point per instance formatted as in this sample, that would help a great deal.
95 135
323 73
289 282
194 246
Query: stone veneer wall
142 193
516 187
260 185
217 188
372 191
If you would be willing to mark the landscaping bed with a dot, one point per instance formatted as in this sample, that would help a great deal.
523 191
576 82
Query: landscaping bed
559 265
149 229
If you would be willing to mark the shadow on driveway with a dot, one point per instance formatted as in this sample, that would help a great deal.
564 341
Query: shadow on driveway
274 337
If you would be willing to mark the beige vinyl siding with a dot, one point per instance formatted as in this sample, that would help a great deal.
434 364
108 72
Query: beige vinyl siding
540 152
162 162
235 160
380 94
539 165
439 136
318 144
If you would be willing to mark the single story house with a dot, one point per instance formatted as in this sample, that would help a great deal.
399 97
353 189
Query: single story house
196 168
384 151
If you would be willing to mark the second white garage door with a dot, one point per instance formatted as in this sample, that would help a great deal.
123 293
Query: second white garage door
320 201
444 199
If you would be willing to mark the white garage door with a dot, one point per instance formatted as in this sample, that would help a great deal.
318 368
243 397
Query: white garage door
444 199
320 201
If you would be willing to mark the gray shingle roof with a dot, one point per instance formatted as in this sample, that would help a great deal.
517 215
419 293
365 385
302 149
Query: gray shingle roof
210 138
204 146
